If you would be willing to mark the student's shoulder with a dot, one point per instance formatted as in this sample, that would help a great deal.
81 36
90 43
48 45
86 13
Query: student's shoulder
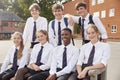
50 46
104 44
30 18
95 17
85 45
43 18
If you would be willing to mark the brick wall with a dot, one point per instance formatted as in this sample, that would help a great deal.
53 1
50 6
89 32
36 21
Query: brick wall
107 21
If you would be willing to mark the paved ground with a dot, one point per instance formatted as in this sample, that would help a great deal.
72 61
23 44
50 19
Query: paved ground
113 72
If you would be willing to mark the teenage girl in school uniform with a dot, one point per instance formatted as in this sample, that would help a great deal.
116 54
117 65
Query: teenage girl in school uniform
17 56
40 58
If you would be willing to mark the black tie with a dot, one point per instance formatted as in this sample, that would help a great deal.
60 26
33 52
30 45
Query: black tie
82 27
64 62
38 61
59 34
34 32
91 56
15 59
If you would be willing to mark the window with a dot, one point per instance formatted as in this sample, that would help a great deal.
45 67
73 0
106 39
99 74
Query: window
100 1
4 23
114 29
93 2
16 24
103 14
96 14
112 12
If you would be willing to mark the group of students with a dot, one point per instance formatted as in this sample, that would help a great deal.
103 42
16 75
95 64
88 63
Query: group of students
52 53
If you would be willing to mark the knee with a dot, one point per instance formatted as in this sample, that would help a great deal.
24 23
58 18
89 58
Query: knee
22 71
30 78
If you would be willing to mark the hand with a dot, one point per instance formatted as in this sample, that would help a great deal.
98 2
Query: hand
52 77
83 73
70 21
36 68
13 78
30 66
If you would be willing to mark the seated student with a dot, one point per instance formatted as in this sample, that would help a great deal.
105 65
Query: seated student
17 56
93 55
39 60
64 59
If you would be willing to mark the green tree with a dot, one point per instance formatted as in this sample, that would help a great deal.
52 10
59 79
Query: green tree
20 7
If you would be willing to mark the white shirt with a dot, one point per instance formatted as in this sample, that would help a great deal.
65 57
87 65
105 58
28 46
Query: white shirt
10 56
96 21
72 57
54 38
101 55
41 23
46 55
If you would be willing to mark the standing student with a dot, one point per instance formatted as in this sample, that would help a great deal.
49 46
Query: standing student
17 56
93 55
40 58
56 25
64 59
84 19
33 24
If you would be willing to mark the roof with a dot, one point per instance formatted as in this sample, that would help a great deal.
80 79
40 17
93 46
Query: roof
9 16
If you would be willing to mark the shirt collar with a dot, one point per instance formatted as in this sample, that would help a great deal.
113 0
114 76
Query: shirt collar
68 45
95 43
36 19
87 16
16 47
60 19
44 44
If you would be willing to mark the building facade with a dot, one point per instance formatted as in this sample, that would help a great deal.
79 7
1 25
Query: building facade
107 10
9 23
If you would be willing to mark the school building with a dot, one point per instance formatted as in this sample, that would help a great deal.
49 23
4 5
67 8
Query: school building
9 23
107 10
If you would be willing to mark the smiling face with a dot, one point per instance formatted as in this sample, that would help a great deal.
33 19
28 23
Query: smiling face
66 36
42 36
82 11
35 10
57 10
17 39
81 8
92 33
35 13
58 13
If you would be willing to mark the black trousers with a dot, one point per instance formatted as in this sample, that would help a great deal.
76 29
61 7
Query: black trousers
44 74
39 76
75 74
6 75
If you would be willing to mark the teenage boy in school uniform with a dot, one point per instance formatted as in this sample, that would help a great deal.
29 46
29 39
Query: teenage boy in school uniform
84 19
32 25
56 25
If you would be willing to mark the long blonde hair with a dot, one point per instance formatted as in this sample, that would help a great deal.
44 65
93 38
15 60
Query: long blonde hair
19 55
